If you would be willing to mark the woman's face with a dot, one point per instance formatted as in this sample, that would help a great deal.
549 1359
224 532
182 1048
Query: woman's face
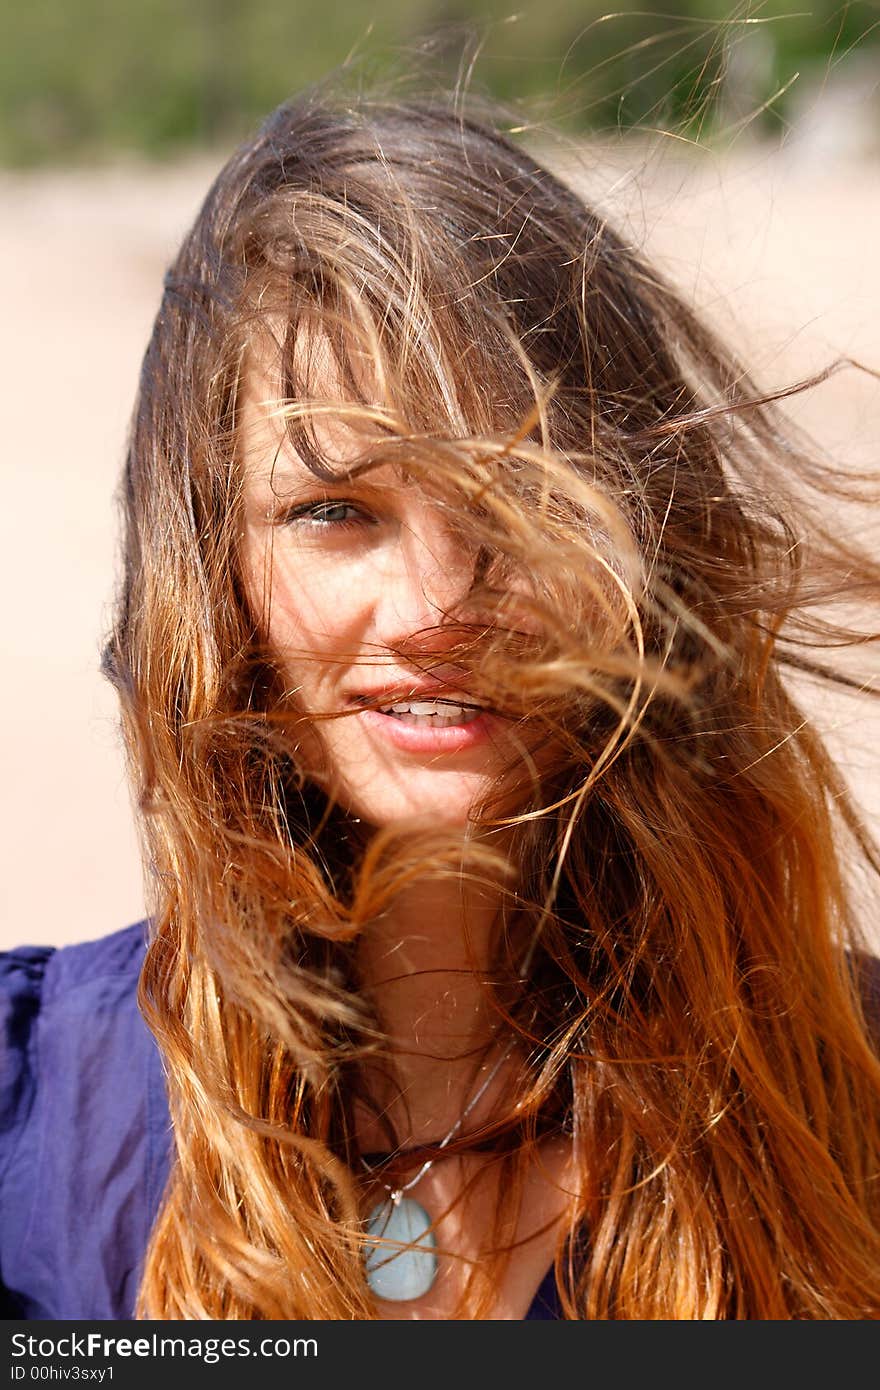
342 574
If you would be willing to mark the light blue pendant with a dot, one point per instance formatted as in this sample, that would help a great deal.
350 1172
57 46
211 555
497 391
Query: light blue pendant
401 1274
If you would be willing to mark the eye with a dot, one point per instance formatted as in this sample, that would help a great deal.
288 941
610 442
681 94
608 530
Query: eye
324 515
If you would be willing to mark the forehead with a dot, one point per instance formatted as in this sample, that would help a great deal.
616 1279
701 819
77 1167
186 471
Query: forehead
321 405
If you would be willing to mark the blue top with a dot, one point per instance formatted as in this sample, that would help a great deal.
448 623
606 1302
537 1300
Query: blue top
85 1132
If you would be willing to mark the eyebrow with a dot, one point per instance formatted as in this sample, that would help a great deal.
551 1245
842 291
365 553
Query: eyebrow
286 477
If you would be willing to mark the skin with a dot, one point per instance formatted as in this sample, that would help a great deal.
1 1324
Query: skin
341 574
369 565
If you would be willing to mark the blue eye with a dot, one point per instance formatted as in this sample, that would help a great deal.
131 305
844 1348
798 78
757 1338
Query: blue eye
326 514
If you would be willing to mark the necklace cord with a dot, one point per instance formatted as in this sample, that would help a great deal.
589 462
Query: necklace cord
397 1192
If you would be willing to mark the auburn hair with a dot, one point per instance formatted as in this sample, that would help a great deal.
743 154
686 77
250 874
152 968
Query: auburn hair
681 948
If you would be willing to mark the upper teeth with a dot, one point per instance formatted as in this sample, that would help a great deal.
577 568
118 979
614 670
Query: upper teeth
426 707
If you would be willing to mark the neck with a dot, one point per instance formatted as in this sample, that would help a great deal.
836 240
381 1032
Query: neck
424 964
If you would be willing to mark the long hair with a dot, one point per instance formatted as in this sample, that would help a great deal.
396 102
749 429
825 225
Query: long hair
680 948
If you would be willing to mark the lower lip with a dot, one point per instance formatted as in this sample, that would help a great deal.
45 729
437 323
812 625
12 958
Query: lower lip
419 738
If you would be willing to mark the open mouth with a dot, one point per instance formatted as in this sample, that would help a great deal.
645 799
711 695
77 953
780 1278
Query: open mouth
423 723
432 714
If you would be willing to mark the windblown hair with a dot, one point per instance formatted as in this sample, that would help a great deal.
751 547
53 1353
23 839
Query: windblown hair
680 948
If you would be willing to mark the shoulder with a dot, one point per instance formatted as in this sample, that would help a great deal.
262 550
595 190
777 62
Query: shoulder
42 985
32 973
93 964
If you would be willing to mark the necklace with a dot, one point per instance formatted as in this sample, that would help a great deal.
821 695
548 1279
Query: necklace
408 1271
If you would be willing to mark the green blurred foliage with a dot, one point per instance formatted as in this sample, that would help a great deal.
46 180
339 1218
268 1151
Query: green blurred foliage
87 79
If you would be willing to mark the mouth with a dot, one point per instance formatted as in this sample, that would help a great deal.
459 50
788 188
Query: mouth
435 713
423 711
420 722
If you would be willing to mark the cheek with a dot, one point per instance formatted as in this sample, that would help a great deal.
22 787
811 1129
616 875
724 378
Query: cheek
300 620
312 612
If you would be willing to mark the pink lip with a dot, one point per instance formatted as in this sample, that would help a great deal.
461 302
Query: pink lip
421 739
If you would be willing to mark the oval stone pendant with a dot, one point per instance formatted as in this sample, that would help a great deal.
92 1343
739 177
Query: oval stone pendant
401 1274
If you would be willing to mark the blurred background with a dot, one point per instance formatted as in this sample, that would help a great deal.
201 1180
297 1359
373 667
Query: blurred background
740 147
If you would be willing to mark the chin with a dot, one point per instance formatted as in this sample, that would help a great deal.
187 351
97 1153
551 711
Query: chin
421 817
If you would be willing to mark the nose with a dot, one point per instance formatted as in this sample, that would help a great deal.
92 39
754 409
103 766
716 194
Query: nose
426 575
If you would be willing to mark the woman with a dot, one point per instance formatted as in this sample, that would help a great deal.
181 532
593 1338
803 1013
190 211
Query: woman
502 960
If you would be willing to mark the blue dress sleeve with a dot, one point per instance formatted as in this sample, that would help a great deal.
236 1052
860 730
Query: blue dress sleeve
21 983
84 1129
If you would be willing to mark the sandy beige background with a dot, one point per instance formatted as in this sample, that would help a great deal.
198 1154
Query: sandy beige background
779 246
